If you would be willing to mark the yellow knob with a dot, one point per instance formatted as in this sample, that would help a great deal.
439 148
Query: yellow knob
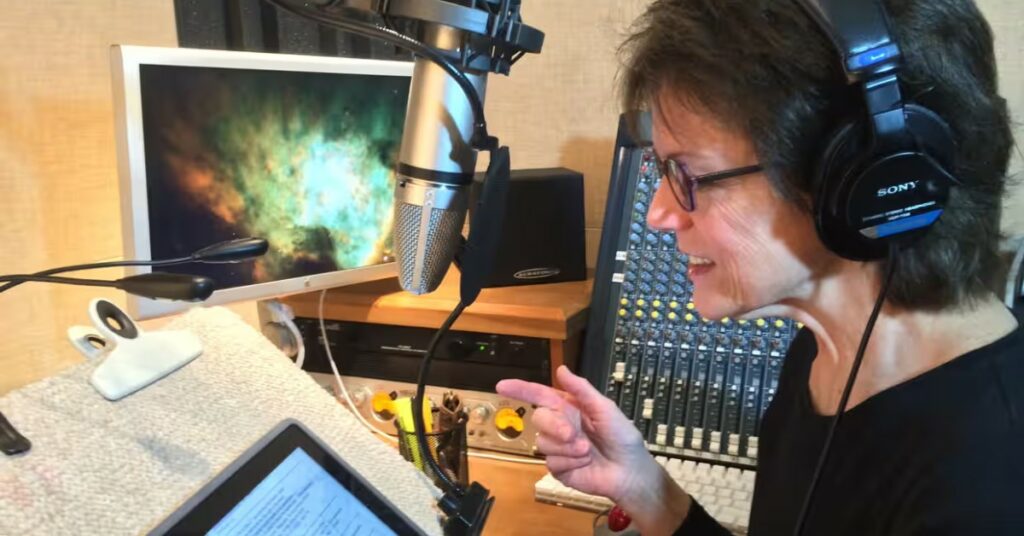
623 312
672 316
726 320
706 319
690 306
623 301
674 305
761 323
383 405
743 322
657 303
655 314
639 313
689 317
508 421
779 323
641 302
800 325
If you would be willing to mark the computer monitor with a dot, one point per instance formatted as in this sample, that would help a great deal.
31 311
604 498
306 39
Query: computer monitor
215 145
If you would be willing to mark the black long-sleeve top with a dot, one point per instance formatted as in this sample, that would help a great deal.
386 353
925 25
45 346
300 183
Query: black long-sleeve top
940 454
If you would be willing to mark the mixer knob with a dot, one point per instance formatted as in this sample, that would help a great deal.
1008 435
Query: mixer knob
509 422
384 405
360 396
480 414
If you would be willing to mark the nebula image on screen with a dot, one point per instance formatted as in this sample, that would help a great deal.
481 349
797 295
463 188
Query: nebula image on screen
302 159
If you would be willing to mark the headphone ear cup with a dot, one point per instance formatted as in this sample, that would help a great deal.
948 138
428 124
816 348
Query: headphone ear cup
851 171
840 163
932 135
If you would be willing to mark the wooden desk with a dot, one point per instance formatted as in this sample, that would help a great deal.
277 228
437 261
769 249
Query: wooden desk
515 511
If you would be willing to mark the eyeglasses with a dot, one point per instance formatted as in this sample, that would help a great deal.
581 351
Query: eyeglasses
684 184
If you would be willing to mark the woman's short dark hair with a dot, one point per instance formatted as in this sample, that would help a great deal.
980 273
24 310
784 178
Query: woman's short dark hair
763 67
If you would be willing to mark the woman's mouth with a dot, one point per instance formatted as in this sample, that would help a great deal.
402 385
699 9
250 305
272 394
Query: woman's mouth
699 266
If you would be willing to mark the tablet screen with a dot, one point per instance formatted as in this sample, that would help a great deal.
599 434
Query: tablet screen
300 497
289 482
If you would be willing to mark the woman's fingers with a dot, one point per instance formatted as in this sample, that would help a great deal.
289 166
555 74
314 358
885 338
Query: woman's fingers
554 424
531 393
588 398
562 464
576 448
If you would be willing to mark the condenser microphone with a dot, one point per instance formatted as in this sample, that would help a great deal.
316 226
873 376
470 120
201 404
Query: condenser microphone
457 45
435 170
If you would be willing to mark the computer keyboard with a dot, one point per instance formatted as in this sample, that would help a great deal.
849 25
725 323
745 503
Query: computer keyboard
725 492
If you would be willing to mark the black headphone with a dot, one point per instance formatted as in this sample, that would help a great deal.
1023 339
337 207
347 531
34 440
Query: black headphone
883 177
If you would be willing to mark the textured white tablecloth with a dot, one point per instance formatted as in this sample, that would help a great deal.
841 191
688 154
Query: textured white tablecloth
99 467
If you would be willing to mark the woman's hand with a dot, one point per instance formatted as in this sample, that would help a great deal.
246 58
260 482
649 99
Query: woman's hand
592 447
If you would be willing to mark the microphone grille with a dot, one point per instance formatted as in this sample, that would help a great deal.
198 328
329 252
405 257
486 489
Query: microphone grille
434 246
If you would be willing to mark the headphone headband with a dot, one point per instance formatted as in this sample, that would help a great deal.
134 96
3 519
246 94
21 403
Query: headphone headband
859 29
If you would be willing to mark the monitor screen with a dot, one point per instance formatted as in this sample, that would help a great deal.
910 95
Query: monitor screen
295 150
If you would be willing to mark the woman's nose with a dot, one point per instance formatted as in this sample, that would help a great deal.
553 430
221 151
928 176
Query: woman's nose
665 213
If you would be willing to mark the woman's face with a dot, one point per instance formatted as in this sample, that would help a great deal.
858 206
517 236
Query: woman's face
748 247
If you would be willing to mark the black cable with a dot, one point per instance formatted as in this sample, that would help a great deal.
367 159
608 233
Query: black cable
481 139
417 404
98 265
823 457
59 280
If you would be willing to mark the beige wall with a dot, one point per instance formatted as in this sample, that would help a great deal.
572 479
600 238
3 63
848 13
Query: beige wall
1007 20
58 184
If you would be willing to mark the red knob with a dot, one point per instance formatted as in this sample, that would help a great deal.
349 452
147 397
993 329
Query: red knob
618 520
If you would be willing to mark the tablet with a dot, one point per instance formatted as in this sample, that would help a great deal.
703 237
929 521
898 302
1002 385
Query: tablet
289 482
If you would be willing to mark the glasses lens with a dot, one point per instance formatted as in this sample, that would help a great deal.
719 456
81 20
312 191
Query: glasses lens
679 183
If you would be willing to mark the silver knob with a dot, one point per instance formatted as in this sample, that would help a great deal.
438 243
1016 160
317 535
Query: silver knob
480 414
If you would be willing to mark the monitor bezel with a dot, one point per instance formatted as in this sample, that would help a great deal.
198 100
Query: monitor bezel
125 63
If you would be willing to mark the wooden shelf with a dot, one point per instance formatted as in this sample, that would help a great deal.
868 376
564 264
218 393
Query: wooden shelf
552 311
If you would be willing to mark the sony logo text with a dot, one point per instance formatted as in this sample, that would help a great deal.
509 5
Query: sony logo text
905 187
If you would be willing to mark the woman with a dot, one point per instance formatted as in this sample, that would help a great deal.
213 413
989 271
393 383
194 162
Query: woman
931 433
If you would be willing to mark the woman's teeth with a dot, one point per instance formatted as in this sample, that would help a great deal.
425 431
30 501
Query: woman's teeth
700 261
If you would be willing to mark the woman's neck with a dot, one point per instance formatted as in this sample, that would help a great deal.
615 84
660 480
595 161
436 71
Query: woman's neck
904 344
